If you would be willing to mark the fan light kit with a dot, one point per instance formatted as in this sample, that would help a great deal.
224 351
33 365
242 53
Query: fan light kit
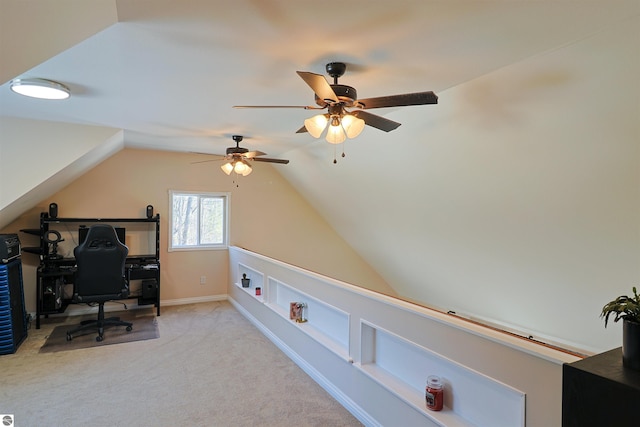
341 125
40 88
239 158
239 166
346 115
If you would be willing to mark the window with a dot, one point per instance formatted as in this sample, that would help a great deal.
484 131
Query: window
199 220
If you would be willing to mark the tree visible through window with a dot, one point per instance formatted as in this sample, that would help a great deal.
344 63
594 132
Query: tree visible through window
199 220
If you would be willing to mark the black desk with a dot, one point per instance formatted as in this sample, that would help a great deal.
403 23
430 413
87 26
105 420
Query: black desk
55 275
599 391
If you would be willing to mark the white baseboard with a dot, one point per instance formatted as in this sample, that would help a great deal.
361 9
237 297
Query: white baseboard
132 304
193 300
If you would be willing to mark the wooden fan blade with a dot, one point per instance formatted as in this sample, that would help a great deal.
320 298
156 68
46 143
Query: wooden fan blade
252 154
418 98
320 86
217 157
207 161
268 160
206 154
304 107
376 121
303 129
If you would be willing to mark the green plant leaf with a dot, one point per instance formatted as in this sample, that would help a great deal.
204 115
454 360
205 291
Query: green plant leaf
623 307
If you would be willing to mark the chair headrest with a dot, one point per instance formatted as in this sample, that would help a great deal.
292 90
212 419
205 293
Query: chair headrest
101 236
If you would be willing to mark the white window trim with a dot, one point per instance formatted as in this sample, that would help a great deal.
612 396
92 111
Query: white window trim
227 227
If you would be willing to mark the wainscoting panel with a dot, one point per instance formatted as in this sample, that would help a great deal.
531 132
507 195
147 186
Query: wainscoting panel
373 353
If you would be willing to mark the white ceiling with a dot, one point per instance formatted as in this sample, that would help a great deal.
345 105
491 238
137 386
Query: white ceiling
169 72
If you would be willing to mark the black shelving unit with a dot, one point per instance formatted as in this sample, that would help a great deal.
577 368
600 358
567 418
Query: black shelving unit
54 272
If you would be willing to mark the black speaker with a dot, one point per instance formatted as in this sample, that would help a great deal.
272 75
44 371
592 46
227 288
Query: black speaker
149 289
51 294
53 210
149 211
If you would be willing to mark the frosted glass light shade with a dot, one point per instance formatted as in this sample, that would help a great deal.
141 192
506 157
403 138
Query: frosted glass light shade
227 168
336 135
316 124
241 168
352 125
40 88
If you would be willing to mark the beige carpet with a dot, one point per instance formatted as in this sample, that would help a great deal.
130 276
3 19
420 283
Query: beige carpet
145 327
209 367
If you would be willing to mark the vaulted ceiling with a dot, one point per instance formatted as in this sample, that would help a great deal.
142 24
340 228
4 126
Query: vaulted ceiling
168 73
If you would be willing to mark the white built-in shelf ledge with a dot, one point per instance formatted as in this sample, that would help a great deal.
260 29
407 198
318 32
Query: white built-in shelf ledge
326 324
470 398
251 291
316 334
445 417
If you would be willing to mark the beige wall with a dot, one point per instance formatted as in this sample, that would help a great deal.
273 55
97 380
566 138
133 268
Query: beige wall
267 216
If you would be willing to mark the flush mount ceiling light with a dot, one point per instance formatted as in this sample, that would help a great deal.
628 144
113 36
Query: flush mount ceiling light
40 88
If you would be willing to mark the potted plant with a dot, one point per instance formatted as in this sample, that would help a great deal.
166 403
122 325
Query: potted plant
628 309
245 280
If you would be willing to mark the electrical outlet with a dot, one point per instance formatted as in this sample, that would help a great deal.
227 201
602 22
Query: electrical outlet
203 280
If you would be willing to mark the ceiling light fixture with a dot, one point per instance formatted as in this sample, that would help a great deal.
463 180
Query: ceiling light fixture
341 125
240 167
40 88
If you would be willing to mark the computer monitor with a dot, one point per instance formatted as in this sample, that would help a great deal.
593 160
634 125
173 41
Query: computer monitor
82 234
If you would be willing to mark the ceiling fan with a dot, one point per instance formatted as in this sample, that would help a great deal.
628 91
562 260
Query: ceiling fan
239 158
346 115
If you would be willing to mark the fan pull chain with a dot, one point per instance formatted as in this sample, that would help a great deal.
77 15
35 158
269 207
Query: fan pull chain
343 155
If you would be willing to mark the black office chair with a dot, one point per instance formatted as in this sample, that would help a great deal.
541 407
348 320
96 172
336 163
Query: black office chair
100 276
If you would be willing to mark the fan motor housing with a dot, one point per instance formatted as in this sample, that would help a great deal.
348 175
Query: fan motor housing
237 150
346 94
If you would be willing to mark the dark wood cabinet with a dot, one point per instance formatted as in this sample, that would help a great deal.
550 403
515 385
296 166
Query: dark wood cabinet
598 391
